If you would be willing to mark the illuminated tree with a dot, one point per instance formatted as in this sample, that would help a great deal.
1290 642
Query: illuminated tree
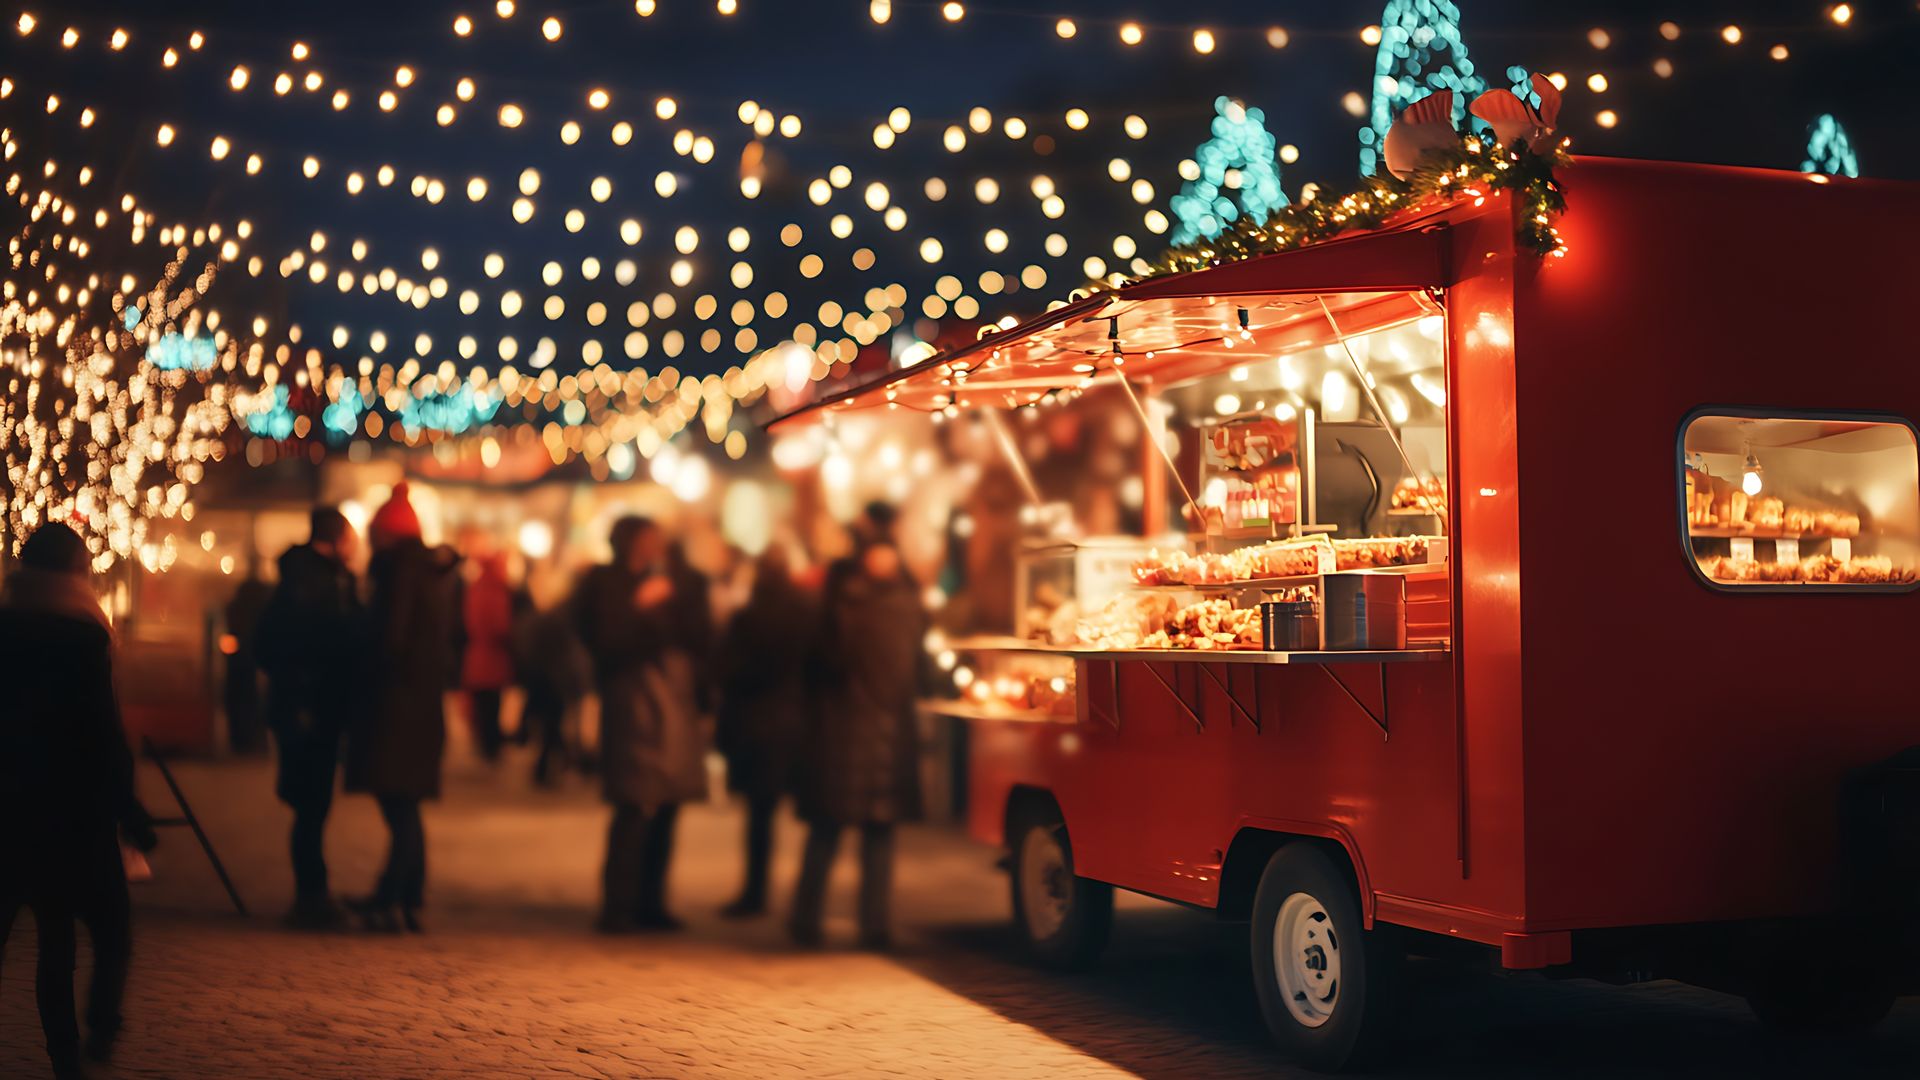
1240 155
1829 150
1420 52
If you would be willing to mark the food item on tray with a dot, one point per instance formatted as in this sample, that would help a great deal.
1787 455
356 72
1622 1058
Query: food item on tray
1208 624
1016 692
1278 558
1123 621
1813 570
1428 496
1156 621
1392 551
1713 503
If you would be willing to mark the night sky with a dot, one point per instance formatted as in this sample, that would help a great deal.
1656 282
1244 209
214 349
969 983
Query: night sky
841 74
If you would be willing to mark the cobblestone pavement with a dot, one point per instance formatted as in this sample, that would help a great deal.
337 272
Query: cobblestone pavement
509 982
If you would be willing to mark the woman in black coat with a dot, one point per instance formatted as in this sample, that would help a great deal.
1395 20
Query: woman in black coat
394 750
635 619
66 787
863 746
762 669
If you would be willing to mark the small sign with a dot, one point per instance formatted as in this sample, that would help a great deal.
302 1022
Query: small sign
1843 548
1785 550
1742 548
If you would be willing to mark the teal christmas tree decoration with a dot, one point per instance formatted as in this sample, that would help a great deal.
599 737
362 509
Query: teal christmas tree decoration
1522 87
1421 52
1829 150
1240 143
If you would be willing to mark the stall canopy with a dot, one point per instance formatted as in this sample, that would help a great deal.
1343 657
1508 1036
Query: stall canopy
1164 331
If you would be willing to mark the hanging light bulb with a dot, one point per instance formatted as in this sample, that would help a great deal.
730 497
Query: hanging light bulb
1750 474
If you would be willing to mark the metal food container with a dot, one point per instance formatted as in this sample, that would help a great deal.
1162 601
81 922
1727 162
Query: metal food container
1290 625
1365 611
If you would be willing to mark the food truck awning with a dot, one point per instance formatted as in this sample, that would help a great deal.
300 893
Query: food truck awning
1170 329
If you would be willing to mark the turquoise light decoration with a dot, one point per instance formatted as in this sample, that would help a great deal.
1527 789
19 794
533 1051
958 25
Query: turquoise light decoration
342 418
1522 87
448 412
133 316
177 352
1829 150
276 420
1420 52
1240 141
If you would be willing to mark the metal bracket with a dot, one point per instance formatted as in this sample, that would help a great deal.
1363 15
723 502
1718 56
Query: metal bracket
1174 690
1110 715
1226 687
1379 721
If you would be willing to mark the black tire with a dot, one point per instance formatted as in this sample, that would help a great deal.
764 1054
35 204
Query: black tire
1339 1014
1071 929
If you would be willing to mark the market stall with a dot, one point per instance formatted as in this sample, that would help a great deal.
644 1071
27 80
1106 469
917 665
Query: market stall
1413 643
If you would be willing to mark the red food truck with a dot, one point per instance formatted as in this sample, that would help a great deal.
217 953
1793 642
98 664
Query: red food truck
1558 608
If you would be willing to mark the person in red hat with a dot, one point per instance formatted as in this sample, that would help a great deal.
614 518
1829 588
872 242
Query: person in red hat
394 751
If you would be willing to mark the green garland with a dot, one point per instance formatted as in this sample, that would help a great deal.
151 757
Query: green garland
1474 166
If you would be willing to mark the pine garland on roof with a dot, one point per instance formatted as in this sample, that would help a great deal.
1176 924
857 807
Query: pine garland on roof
1473 168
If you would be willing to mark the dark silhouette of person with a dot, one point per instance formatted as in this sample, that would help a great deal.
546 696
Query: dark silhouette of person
66 788
652 757
762 679
309 643
486 669
556 674
862 746
245 734
394 748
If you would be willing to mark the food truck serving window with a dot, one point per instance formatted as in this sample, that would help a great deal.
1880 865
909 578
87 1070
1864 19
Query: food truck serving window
1808 503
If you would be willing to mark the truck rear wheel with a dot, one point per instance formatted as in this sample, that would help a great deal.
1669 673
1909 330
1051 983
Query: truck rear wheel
1326 986
1064 918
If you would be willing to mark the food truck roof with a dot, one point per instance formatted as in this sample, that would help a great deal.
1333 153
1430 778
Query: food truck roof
1166 330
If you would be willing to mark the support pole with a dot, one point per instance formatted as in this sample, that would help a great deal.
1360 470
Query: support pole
1386 422
1014 460
1153 436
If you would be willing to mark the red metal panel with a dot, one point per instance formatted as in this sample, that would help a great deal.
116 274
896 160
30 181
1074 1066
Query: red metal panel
1408 259
1684 747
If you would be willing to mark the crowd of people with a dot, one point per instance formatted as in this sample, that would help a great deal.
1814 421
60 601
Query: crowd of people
806 688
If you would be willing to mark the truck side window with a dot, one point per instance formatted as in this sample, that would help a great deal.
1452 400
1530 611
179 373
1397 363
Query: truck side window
1809 503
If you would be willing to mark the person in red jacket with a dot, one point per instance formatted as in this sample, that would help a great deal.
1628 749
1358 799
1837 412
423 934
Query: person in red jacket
487 668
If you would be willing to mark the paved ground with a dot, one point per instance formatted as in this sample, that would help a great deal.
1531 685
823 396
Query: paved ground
510 983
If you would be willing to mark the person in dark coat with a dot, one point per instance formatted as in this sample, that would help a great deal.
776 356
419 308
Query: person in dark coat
487 667
66 789
245 732
556 674
693 624
652 754
862 744
394 748
308 642
761 668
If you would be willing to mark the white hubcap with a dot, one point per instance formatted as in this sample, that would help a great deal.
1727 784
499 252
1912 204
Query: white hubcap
1046 885
1306 959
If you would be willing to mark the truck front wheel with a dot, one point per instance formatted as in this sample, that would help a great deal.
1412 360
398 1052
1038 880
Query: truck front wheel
1326 985
1065 918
